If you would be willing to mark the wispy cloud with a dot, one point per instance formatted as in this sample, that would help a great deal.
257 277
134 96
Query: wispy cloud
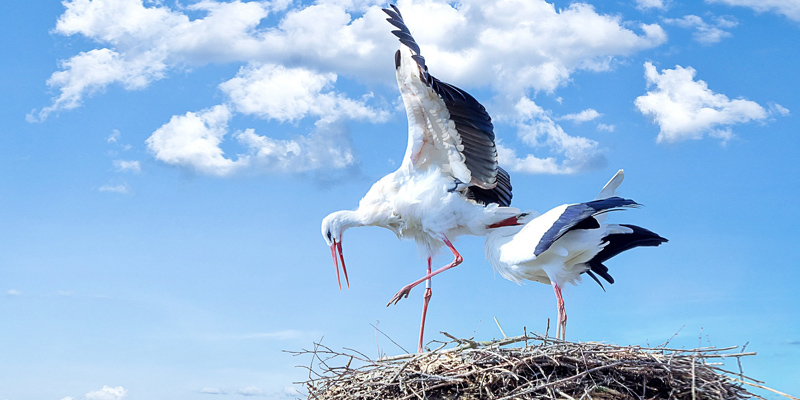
119 189
685 108
537 129
13 292
583 116
788 8
127 166
649 4
212 390
605 128
705 33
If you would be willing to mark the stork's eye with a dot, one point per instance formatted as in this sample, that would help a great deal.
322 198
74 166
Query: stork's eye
329 235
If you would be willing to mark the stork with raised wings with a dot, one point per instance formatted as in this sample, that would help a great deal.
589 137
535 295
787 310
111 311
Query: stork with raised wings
565 242
449 183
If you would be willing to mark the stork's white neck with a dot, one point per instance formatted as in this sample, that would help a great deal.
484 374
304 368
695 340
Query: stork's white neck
346 219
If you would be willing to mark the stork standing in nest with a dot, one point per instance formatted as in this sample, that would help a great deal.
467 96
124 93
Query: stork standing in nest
449 183
558 246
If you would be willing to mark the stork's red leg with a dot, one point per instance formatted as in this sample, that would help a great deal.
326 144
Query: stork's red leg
407 289
427 298
562 313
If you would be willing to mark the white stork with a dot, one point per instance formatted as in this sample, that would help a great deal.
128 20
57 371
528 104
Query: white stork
449 183
565 242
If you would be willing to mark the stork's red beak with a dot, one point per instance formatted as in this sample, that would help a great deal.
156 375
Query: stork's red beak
337 248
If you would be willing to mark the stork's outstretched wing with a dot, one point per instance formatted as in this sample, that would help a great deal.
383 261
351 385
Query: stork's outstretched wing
447 125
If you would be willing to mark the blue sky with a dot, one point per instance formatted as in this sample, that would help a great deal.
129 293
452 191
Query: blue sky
167 165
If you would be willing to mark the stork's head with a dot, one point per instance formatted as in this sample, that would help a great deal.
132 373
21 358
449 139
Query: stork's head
333 226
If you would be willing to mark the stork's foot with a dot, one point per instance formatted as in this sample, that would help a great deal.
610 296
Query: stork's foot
403 293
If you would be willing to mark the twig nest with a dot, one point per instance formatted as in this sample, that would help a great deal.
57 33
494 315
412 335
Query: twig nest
534 368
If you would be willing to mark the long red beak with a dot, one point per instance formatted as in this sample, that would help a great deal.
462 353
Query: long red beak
337 248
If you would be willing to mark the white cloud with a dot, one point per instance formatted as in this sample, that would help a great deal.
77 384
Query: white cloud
114 136
127 166
251 391
193 140
788 8
121 189
293 67
778 109
647 4
106 393
289 94
685 108
115 139
328 146
605 128
211 390
537 129
13 292
705 32
581 117
272 92
91 71
513 46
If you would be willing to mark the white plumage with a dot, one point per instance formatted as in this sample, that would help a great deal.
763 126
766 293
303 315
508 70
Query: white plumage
558 246
449 183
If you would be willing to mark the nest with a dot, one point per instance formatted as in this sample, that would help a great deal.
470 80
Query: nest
535 367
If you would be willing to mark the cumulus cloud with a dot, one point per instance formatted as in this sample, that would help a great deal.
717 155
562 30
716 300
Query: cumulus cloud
193 139
512 46
583 116
288 94
685 108
537 129
787 8
705 33
271 92
295 57
106 393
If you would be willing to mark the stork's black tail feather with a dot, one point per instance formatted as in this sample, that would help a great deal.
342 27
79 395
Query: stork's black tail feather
617 243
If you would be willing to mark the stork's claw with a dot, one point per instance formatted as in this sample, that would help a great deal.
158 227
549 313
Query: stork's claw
403 293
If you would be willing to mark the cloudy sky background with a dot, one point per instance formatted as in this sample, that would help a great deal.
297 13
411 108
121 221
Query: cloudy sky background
167 164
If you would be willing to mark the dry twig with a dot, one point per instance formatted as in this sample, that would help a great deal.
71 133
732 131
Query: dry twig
542 368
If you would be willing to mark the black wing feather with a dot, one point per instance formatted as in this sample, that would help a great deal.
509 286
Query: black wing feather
470 117
619 242
500 194
574 215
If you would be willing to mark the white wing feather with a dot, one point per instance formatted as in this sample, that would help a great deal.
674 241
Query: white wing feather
433 140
